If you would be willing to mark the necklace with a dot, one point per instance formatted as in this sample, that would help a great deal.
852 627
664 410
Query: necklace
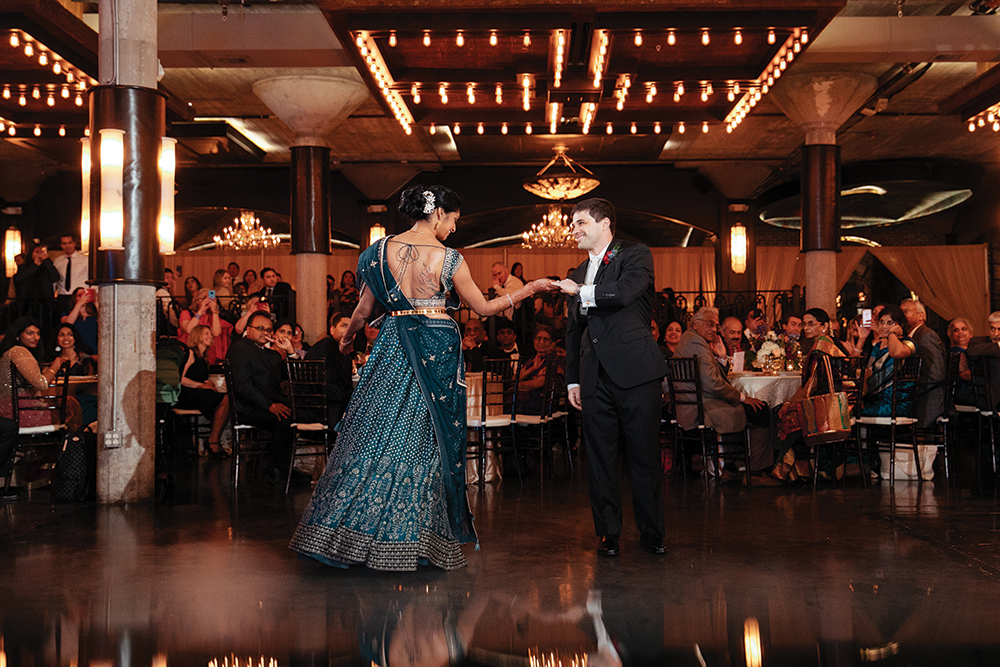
424 233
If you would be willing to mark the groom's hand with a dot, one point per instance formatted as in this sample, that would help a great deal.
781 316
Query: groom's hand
574 398
567 286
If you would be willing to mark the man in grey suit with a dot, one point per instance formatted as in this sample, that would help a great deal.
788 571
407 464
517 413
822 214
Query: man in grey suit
988 347
613 374
930 384
727 409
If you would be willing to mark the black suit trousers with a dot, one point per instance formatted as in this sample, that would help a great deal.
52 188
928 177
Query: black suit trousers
635 415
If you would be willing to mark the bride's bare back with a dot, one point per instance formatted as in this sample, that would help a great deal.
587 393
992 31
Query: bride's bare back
417 269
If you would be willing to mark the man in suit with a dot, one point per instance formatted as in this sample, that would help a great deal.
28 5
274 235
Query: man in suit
727 409
988 347
339 381
613 373
732 336
930 384
257 374
279 294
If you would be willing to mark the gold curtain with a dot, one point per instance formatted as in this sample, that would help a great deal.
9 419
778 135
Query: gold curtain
781 267
951 280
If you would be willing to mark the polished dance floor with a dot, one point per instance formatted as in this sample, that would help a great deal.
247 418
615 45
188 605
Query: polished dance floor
842 576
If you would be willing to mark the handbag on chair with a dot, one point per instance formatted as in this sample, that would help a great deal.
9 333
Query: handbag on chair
824 417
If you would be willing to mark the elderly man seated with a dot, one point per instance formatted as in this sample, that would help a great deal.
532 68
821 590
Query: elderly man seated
727 410
988 347
930 384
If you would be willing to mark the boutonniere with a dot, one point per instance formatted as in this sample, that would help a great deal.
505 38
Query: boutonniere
611 254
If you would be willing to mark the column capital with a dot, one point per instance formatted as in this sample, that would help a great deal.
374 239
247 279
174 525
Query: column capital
820 102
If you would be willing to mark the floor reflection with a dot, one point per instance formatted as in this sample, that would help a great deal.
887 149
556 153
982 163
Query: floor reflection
844 576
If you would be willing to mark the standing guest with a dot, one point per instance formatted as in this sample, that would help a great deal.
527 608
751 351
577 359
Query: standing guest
257 389
504 282
80 363
205 311
251 283
960 335
234 273
475 345
930 385
613 371
167 314
393 493
892 344
191 285
279 295
199 393
672 338
33 282
506 346
83 316
988 347
727 409
517 270
332 296
339 381
73 271
21 347
531 382
348 292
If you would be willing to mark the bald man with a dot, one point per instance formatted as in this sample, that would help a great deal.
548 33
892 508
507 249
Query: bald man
504 283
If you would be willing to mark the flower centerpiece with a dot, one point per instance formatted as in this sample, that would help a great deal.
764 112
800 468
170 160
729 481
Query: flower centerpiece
770 351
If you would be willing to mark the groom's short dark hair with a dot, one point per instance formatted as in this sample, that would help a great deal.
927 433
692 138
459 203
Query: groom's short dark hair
598 209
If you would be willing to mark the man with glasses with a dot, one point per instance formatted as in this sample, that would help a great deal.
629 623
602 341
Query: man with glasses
257 373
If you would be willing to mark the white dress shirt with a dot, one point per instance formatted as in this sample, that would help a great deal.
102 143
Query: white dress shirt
78 272
587 289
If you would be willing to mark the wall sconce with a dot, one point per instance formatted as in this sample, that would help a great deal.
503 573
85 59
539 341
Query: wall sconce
85 165
112 220
168 169
11 249
376 232
738 248
751 643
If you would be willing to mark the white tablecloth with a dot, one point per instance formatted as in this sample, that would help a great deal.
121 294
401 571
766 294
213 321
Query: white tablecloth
773 389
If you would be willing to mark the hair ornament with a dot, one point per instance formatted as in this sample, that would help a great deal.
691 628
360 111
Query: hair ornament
428 202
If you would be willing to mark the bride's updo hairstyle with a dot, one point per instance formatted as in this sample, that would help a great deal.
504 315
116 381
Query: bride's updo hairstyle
419 201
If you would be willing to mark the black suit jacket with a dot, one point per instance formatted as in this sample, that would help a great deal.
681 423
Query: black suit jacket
282 301
982 346
36 281
615 334
930 385
257 374
339 384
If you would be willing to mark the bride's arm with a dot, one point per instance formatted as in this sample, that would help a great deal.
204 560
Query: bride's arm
473 296
361 313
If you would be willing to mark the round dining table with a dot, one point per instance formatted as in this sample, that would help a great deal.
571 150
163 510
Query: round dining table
772 389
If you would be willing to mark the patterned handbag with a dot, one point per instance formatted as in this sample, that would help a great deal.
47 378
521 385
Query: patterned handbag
825 417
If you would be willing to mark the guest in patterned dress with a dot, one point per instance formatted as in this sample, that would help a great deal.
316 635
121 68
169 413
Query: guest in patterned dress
393 492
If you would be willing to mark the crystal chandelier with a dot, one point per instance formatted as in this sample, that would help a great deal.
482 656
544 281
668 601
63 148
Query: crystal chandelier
552 232
247 234
568 180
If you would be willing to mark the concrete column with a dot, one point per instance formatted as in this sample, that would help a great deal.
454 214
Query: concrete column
820 102
127 328
313 106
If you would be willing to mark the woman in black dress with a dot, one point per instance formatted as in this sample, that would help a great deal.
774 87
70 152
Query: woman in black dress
198 393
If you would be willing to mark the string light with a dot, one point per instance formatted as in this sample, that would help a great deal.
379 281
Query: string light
705 39
57 67
499 94
457 129
527 39
38 130
415 93
503 129
434 128
14 40
43 59
527 128
638 38
392 39
459 39
62 130
36 93
671 38
602 52
704 127
51 100
738 38
680 127
656 127
470 93
633 129
479 128
29 50
609 129
427 38
443 93
770 36
804 37
493 37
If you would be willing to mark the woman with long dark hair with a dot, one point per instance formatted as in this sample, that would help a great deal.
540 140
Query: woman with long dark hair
348 292
21 347
66 344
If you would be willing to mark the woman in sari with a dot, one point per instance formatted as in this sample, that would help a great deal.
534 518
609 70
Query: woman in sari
892 344
794 464
393 492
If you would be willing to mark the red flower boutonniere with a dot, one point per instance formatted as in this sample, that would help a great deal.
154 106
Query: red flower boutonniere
610 254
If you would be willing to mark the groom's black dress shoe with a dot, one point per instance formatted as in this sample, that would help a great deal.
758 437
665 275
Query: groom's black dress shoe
608 546
652 544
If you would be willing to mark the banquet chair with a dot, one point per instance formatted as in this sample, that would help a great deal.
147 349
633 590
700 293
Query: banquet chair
985 408
685 390
493 417
537 429
248 441
941 434
310 423
38 445
904 388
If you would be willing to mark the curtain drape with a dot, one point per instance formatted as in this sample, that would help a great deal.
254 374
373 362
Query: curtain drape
953 281
781 267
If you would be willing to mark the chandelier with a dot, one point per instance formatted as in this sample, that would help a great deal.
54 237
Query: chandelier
247 234
567 180
552 232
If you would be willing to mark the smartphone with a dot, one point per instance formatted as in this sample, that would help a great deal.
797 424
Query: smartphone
211 295
866 317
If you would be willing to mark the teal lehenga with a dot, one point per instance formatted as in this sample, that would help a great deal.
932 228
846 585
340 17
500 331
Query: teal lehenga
393 492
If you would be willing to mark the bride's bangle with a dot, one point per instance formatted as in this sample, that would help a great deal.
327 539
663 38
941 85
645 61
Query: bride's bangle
510 299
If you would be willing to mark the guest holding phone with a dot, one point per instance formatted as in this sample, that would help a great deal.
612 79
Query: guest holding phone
83 316
205 311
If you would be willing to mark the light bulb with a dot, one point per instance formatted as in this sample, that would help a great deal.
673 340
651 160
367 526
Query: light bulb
621 104
804 38
43 59
416 98
22 100
609 129
527 128
796 47
457 129
79 100
633 129
729 129
36 93
656 127
671 38
57 67
704 96
459 39
704 127
29 50
14 40
12 130
392 39
705 38
434 128
503 129
680 89
770 36
38 130
427 38
527 39
6 93
638 38
62 130
981 121
731 96
680 127
51 100
736 87
359 40
738 38
479 128
972 126
493 38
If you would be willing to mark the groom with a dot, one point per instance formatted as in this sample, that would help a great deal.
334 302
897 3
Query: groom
613 372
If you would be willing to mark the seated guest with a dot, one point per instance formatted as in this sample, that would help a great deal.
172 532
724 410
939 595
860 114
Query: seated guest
727 410
166 319
732 335
281 342
475 342
892 344
988 347
84 317
253 305
199 393
791 327
299 343
671 338
959 335
363 346
80 363
816 329
191 285
257 376
531 382
754 325
20 346
205 311
339 381
654 328
349 294
250 283
930 385
506 346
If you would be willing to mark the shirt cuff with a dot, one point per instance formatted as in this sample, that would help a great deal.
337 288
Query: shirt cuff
743 397
571 385
587 296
